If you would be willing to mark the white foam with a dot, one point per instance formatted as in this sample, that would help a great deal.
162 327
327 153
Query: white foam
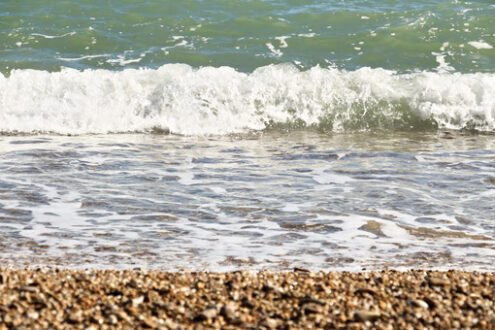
480 45
181 43
87 57
443 65
222 100
55 36
283 41
307 35
276 52
121 60
322 176
218 190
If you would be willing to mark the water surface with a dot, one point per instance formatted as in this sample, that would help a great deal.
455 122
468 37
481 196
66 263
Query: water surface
345 201
218 135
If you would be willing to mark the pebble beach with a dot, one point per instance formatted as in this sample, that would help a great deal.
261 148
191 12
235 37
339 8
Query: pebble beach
299 299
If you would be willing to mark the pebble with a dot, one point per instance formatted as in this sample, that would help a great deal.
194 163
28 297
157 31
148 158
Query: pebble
366 290
208 313
364 316
419 303
76 317
99 299
438 282
137 301
32 315
228 311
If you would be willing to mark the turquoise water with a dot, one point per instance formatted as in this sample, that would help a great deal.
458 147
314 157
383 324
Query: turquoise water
227 134
397 35
221 67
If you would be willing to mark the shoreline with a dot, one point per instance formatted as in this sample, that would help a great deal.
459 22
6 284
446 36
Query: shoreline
91 299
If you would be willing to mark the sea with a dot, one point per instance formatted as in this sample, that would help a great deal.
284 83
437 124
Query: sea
221 135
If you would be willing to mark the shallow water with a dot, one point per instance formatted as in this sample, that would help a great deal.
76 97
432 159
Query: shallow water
218 135
267 200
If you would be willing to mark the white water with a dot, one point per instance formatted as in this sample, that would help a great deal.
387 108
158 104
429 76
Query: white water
210 100
273 200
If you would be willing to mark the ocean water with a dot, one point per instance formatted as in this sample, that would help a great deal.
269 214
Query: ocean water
219 135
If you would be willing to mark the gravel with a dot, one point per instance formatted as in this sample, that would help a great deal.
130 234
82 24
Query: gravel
94 299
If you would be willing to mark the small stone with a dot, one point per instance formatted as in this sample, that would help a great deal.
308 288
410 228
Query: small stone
76 317
132 283
438 282
32 315
208 313
302 270
7 319
31 289
364 316
310 300
431 303
383 304
148 322
228 311
269 323
123 315
366 290
313 308
112 319
245 302
419 303
137 301
171 324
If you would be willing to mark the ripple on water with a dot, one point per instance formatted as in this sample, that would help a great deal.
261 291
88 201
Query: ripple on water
382 201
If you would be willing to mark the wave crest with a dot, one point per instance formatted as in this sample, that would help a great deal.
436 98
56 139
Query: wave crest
185 100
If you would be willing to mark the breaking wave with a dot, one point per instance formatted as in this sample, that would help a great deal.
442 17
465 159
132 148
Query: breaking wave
181 99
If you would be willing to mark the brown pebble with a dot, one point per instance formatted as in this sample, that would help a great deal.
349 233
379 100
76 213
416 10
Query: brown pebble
308 299
269 323
148 322
171 324
419 303
438 282
32 315
137 301
76 317
431 303
31 289
302 270
364 316
366 290
208 313
312 308
228 311
94 299
112 319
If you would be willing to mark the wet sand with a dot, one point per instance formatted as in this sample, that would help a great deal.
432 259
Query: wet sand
93 299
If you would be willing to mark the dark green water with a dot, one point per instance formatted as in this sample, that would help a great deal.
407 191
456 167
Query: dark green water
396 35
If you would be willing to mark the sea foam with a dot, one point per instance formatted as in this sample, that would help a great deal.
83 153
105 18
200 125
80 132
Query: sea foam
185 100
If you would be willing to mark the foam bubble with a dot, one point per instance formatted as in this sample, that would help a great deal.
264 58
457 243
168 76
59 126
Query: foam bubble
480 45
184 100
